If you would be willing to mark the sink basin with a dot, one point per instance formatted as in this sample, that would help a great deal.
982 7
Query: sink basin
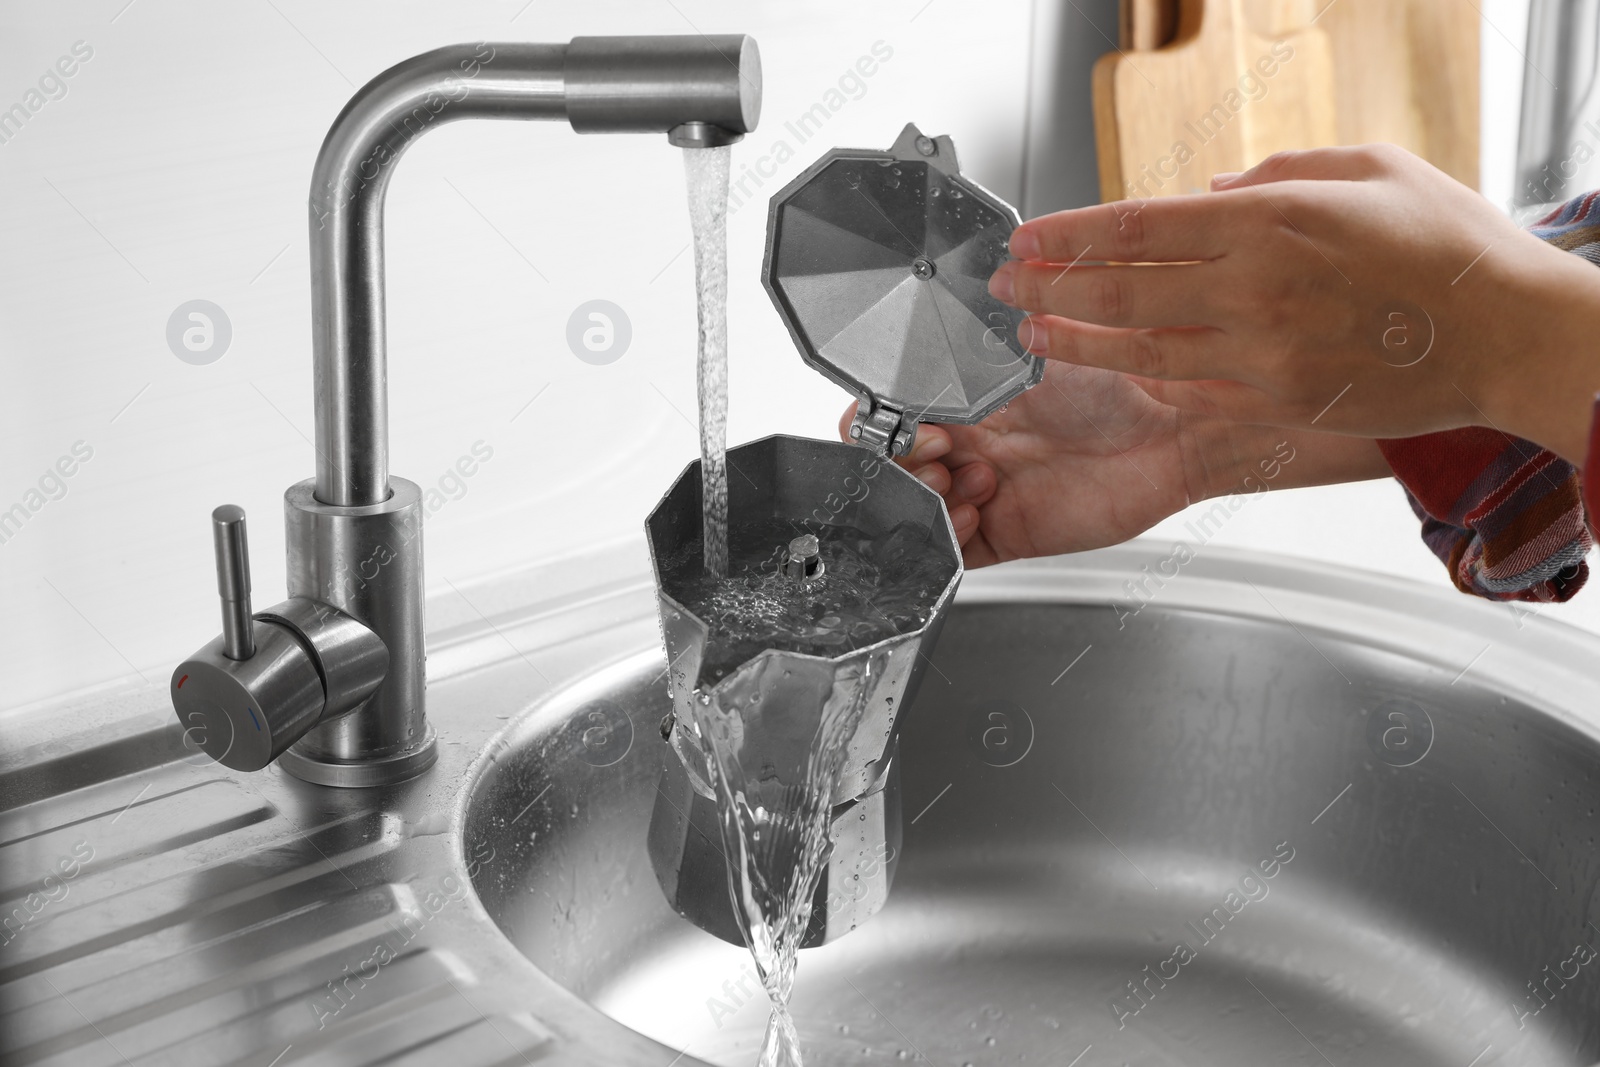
1277 815
1083 788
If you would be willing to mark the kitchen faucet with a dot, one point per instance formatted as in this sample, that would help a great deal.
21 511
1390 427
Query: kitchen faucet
331 681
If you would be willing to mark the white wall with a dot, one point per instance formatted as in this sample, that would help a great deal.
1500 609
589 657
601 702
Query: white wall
176 167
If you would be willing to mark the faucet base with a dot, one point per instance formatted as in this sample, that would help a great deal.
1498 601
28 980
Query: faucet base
360 774
367 562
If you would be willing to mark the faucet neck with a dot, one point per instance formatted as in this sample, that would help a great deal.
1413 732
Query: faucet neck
352 175
598 84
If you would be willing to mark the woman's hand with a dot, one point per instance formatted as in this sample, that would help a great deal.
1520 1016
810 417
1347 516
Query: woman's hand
1086 459
1356 290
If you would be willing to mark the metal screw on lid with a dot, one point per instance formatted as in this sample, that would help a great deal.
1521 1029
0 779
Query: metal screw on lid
803 559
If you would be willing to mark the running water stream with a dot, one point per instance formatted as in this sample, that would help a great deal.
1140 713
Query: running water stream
706 174
775 762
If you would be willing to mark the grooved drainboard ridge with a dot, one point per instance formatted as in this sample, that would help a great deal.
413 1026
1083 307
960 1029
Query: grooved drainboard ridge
99 800
188 889
107 749
97 845
247 938
234 962
315 941
421 1000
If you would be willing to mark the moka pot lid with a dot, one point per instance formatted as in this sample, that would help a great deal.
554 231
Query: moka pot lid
879 264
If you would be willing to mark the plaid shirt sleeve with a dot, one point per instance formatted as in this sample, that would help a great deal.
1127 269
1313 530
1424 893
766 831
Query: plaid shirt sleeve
1506 516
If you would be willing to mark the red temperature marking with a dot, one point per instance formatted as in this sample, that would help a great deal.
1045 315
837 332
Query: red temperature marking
185 678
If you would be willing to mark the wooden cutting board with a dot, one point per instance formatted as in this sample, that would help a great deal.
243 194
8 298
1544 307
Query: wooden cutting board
1146 25
1405 71
1220 97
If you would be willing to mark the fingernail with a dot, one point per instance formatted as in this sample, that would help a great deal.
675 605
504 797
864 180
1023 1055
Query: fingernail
970 483
1224 178
1035 338
1025 244
1001 286
928 476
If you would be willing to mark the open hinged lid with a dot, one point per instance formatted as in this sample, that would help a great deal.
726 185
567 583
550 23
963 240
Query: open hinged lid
879 264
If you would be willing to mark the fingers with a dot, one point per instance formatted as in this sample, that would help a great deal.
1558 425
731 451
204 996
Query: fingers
1171 229
932 442
1355 163
1186 353
964 490
1176 229
964 518
973 484
1176 295
935 476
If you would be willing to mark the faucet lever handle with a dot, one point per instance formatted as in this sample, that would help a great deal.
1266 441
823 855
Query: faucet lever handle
248 695
233 581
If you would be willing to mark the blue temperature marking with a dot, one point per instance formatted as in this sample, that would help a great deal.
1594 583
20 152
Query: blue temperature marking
252 712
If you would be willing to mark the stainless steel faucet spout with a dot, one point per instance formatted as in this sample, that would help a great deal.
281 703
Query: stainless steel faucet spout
331 683
708 89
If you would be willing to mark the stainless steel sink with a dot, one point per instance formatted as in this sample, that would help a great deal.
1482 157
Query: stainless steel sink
1076 793
1367 813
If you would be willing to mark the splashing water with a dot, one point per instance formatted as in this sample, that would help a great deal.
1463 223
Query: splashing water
775 822
775 732
706 174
